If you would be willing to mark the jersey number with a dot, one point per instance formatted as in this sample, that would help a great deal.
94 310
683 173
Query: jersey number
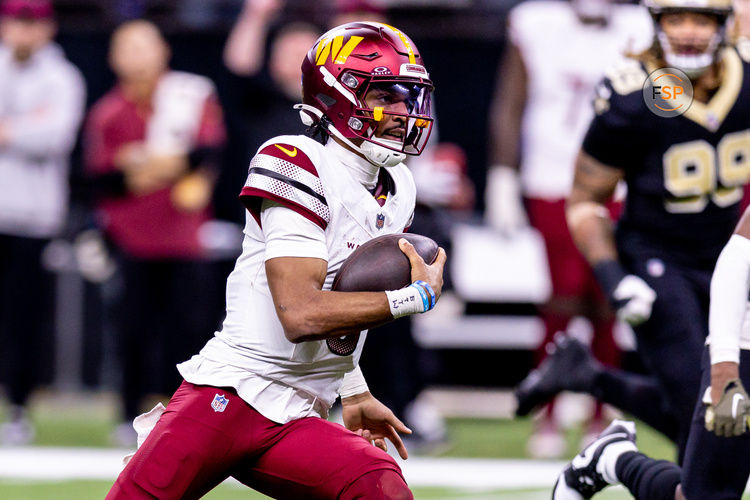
691 175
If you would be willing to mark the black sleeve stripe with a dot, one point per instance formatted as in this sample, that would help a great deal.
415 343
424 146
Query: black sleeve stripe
283 178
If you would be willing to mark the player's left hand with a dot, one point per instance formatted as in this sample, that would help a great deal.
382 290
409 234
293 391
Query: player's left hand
634 300
371 419
727 417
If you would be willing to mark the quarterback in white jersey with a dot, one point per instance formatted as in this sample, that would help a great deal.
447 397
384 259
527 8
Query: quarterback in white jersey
252 399
557 53
333 213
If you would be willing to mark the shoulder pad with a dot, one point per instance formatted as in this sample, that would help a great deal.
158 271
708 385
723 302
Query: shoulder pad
626 77
283 173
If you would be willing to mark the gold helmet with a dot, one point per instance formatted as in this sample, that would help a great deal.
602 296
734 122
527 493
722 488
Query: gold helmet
718 7
692 64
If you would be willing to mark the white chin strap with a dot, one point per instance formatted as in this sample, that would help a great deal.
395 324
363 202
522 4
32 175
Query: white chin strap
377 155
692 65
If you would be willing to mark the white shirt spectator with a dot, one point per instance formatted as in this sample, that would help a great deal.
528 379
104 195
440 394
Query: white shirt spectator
41 105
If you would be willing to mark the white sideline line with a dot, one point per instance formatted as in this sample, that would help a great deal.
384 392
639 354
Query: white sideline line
57 464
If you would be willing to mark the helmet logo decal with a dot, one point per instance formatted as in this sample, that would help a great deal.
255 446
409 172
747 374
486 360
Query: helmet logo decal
407 44
381 70
334 48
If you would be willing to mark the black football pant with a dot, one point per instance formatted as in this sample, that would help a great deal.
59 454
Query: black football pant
26 316
715 467
168 310
670 345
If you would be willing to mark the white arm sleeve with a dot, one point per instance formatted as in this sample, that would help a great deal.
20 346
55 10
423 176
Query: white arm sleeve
289 234
354 383
729 295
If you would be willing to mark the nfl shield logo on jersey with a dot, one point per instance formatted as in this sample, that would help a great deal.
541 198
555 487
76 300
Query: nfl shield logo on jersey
380 221
219 403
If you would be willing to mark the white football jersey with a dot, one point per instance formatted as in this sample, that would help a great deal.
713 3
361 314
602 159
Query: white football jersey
564 60
310 179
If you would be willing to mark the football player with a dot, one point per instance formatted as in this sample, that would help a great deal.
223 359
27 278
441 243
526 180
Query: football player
557 54
715 466
685 177
254 401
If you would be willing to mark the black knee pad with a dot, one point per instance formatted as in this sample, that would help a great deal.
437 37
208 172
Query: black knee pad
384 484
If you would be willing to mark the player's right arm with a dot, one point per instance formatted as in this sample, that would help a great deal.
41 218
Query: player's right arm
309 313
588 218
730 286
600 166
592 230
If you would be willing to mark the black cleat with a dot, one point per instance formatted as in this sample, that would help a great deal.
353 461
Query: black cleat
586 474
569 367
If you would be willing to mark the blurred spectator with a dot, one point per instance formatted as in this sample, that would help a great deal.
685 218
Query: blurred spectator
245 47
557 53
157 138
266 58
41 105
347 11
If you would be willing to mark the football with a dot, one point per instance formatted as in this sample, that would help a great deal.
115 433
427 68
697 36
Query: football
380 265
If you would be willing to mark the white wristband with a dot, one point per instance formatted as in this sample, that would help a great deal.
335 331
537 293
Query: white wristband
354 383
405 301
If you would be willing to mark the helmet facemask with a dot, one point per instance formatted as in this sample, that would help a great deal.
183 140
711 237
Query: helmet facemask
692 63
394 114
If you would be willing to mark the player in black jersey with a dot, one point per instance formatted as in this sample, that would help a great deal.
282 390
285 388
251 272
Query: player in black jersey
685 178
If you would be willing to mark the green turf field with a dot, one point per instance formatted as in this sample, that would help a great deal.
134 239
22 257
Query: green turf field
96 490
89 423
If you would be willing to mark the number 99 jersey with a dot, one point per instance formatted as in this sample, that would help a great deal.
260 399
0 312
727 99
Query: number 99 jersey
685 174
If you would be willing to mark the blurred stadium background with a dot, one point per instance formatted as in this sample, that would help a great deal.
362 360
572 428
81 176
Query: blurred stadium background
480 339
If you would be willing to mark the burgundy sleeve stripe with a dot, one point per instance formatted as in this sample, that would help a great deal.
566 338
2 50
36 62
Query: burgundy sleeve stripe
251 196
284 188
292 154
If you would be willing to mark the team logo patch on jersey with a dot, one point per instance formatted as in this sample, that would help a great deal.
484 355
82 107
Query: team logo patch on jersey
380 221
219 404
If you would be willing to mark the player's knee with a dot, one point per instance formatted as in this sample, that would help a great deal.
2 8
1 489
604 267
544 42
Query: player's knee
385 484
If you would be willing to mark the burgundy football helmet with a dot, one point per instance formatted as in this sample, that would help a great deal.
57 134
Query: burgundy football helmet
348 62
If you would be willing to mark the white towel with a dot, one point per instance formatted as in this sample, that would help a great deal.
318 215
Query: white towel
178 108
143 425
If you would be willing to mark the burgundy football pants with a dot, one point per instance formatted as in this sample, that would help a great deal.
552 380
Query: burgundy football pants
194 447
